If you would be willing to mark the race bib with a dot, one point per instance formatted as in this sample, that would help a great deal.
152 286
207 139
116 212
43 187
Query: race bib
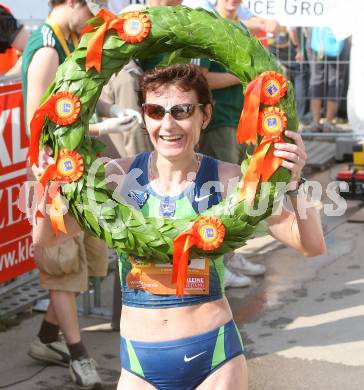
157 278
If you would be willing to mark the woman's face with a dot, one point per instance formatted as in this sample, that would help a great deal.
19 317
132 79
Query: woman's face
175 139
230 5
79 15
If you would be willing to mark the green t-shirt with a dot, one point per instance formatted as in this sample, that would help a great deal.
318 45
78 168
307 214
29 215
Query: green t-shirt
43 36
228 102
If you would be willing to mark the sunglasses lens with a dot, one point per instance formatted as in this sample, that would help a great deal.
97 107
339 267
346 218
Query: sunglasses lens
154 111
179 111
182 111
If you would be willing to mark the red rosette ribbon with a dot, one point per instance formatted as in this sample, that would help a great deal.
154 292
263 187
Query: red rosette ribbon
206 233
268 88
271 125
136 27
62 108
69 167
65 108
133 27
274 87
96 42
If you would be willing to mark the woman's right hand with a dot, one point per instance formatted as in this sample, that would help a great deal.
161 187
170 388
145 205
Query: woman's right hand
44 160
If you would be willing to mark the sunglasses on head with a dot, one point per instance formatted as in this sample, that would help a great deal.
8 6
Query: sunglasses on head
178 112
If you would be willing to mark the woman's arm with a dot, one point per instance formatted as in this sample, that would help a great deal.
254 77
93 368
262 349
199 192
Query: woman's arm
302 232
41 72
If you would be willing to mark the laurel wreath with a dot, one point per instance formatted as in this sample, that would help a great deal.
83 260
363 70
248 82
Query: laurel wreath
185 33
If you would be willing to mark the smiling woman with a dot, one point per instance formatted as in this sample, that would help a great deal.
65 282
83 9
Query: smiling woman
186 340
103 50
180 97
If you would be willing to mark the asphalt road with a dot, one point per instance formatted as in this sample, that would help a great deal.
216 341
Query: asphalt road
302 324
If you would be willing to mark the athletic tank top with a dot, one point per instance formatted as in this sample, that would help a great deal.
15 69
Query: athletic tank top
43 36
205 279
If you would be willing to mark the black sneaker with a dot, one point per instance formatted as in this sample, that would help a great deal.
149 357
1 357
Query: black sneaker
54 353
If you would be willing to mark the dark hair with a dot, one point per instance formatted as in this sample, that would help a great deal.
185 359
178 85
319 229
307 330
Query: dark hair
53 3
187 77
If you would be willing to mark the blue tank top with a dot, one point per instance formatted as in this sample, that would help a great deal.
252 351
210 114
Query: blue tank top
203 193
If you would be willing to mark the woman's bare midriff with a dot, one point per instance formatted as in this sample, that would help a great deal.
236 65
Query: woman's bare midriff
140 324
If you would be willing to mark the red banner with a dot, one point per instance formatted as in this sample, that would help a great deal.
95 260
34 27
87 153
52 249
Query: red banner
16 249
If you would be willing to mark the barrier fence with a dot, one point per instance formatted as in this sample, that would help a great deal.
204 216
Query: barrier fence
16 249
314 74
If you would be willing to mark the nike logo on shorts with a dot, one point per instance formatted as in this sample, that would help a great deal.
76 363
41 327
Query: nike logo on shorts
199 198
188 359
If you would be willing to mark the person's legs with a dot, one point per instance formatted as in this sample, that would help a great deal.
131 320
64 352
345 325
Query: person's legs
65 309
333 91
47 347
317 84
230 376
316 110
331 111
299 78
64 273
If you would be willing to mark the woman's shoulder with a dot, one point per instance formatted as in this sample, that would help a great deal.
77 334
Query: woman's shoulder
229 175
228 170
118 166
116 170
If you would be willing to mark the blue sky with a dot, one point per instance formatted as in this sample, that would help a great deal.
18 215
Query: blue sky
28 9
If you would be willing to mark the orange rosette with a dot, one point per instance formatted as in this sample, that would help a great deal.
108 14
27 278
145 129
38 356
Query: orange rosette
272 122
268 88
206 233
69 166
211 232
271 125
96 42
274 87
136 27
64 108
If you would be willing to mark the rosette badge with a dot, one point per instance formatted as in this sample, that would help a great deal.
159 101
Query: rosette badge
274 87
206 233
211 232
272 122
65 108
69 166
136 27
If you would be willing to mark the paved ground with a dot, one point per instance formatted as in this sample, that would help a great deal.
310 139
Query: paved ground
302 324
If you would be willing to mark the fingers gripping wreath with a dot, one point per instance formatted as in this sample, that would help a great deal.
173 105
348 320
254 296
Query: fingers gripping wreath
62 121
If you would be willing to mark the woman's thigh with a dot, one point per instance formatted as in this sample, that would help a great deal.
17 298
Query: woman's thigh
129 381
230 376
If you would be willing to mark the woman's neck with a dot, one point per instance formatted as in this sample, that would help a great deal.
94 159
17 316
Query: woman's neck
172 177
59 16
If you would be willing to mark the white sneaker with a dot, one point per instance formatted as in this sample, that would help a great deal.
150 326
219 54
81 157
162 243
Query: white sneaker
237 262
233 280
56 352
84 374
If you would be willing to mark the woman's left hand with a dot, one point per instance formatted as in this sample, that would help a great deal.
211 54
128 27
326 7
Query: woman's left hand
294 155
